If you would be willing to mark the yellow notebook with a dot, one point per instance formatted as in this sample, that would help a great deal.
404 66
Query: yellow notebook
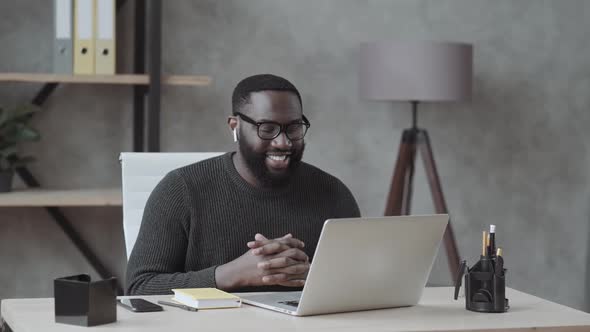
206 298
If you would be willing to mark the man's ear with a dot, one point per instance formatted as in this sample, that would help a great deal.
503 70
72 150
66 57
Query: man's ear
232 122
233 125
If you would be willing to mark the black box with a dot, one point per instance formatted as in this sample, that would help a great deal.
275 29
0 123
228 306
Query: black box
78 301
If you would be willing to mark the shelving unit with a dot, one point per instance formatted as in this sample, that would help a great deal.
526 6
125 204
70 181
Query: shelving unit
66 198
124 79
146 82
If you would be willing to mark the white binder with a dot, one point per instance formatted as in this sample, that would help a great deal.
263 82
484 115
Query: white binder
63 44
105 37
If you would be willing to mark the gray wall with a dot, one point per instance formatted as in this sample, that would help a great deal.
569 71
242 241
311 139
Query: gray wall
516 155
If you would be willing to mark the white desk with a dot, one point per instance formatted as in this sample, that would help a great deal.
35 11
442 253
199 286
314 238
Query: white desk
436 312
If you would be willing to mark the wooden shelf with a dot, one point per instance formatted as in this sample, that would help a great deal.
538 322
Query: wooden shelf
68 197
129 79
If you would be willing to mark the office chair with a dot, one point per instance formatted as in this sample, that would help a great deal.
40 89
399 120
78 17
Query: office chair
141 172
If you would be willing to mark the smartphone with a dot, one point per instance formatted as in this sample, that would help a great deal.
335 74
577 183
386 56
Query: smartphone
139 305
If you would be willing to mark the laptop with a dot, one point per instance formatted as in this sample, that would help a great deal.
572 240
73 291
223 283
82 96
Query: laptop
364 264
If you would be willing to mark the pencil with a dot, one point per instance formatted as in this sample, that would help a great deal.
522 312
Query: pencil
484 242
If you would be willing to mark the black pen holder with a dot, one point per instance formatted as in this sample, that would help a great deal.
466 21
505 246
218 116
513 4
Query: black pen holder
79 301
485 288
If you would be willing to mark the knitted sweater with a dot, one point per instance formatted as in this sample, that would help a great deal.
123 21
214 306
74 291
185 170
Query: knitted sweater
202 215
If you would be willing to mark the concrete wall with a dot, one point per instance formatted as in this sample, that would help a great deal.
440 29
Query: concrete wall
516 155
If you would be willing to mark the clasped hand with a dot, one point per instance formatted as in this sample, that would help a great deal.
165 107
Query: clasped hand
277 261
281 261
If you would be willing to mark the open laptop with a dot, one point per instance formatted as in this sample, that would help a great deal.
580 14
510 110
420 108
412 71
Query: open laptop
363 264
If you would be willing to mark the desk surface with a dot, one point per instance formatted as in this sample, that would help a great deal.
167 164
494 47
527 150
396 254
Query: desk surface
436 312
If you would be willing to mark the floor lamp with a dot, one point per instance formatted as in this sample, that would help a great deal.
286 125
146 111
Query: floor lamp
417 72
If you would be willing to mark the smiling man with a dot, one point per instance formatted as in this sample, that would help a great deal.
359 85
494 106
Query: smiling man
248 220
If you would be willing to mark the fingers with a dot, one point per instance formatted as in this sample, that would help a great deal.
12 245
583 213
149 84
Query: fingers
271 247
286 258
260 237
287 268
284 280
295 269
277 263
286 264
281 277
260 240
295 253
293 283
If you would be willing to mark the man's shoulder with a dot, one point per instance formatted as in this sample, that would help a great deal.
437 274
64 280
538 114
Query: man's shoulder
318 176
201 170
322 185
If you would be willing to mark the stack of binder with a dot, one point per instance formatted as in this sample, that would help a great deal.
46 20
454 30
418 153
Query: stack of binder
84 37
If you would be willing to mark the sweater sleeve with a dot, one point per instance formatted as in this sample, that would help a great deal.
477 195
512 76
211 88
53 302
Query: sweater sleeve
157 262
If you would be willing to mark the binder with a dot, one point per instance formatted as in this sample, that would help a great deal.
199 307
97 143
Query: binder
83 36
105 37
62 44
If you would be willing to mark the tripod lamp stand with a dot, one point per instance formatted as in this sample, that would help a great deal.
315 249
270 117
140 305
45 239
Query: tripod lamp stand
417 72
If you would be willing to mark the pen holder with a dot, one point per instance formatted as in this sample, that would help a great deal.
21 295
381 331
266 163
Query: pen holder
485 285
79 301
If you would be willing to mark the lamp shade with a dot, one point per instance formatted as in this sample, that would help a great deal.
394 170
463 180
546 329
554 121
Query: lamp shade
415 71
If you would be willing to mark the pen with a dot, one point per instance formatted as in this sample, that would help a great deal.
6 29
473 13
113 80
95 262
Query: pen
178 305
492 240
488 246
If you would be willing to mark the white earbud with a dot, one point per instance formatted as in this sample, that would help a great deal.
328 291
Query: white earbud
235 136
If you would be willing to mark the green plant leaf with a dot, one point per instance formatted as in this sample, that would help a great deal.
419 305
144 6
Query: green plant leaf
20 113
19 133
27 109
8 151
14 129
28 134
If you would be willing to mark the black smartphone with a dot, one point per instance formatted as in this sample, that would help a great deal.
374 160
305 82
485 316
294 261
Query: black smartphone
139 305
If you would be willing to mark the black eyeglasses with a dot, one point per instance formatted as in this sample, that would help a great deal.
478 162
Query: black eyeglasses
269 130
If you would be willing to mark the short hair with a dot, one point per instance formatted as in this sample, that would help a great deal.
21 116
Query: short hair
257 83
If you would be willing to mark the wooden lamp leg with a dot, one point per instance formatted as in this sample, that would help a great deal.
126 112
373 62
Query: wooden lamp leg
399 196
439 200
409 179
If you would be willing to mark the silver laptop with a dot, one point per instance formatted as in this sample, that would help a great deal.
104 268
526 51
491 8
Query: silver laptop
363 264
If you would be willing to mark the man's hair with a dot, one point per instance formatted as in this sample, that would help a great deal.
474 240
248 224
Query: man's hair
257 83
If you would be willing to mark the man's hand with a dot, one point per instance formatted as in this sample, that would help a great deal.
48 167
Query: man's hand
263 246
269 262
285 263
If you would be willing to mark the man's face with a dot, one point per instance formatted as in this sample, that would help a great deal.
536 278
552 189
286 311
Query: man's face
271 161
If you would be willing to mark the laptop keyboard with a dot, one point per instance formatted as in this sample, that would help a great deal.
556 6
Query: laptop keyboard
291 303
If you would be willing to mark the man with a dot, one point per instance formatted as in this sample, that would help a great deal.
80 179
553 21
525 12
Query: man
244 221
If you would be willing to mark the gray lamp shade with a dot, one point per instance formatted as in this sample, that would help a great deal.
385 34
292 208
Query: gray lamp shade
415 71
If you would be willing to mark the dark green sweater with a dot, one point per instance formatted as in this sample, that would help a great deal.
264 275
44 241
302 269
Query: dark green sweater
202 215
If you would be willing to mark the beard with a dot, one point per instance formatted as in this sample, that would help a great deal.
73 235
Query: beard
255 161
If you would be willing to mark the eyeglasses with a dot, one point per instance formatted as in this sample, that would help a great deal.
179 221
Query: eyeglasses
269 130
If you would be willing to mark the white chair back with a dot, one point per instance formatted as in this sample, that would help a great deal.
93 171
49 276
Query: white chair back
141 172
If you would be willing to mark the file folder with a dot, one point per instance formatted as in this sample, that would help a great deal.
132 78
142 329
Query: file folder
84 37
105 37
62 44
